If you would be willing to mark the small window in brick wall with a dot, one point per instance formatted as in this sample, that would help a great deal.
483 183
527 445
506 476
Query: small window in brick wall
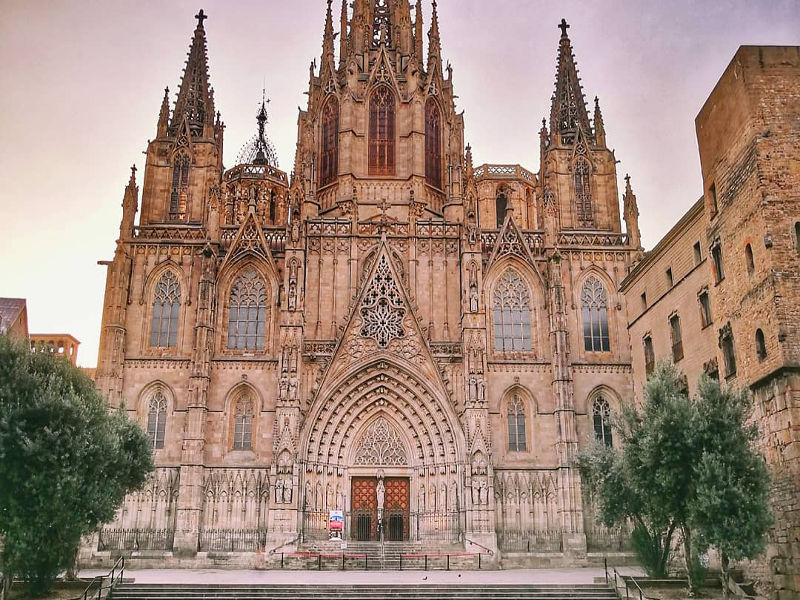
649 355
677 340
761 345
670 281
716 254
797 236
748 257
705 308
698 254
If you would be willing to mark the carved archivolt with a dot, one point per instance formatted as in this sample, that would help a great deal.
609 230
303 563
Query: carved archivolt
381 444
381 389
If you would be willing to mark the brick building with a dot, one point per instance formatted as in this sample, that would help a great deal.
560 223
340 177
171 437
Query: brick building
721 292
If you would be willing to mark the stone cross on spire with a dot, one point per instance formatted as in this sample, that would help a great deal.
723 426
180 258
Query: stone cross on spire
201 16
563 26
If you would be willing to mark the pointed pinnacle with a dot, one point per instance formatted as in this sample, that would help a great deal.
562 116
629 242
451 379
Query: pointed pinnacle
132 182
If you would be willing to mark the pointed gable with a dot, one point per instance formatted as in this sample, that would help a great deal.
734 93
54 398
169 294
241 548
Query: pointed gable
249 240
510 241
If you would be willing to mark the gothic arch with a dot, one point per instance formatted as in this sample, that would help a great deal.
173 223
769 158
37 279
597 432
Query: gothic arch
536 300
609 393
147 297
148 391
155 274
227 279
329 122
380 441
382 130
241 392
381 386
610 291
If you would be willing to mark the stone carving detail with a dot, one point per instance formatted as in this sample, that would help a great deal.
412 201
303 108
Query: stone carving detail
382 308
380 445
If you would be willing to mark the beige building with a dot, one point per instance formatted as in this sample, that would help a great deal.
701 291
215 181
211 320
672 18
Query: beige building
721 292
62 344
391 332
14 318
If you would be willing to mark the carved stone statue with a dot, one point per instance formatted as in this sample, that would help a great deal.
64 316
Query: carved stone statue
380 492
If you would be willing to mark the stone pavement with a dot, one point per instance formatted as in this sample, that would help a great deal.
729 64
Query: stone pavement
305 577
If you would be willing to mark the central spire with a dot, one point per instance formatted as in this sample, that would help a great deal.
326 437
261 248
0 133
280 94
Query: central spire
568 110
195 98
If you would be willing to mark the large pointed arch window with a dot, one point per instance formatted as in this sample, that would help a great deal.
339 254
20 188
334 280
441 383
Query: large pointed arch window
512 314
583 192
594 309
243 423
500 206
329 159
247 312
179 194
433 144
166 305
516 425
381 132
601 417
157 419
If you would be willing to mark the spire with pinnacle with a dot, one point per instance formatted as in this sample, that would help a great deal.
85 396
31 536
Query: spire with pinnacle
599 126
327 37
568 110
130 205
418 30
434 44
195 100
343 39
163 115
631 215
259 150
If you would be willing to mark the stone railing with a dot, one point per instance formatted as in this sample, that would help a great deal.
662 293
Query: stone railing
180 233
275 236
533 239
503 172
256 172
592 238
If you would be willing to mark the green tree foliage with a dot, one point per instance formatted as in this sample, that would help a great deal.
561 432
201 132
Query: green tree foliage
687 465
66 462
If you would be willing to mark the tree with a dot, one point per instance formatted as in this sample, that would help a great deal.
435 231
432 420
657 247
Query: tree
730 509
66 462
685 465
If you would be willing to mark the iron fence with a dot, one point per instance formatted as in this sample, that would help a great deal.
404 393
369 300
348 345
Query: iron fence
135 539
608 539
438 526
530 541
232 540
398 526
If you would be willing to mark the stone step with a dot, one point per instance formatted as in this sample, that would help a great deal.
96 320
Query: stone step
362 592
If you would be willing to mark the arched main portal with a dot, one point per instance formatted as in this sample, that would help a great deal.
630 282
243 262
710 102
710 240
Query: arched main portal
385 448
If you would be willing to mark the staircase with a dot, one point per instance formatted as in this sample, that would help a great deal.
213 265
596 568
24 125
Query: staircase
132 591
390 556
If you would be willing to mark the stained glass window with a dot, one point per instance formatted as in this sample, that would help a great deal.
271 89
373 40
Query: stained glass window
243 424
381 132
247 312
157 419
512 314
601 414
594 307
433 144
179 195
166 305
516 426
329 163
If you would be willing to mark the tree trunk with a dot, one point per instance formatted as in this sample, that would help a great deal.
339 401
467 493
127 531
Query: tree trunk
71 574
723 561
687 554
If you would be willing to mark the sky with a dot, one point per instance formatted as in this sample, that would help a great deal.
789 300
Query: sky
81 84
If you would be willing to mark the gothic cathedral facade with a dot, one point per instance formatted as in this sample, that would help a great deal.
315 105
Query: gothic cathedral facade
389 316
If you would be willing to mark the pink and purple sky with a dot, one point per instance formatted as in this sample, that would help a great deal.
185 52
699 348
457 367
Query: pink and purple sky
82 83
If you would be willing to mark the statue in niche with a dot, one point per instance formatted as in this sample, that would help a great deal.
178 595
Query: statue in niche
287 491
473 287
283 386
292 296
481 389
473 388
279 491
380 492
293 385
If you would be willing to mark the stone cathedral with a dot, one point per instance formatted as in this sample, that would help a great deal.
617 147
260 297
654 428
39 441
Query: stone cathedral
389 331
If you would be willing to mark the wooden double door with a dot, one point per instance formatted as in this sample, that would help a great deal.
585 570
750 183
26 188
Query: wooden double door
364 524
